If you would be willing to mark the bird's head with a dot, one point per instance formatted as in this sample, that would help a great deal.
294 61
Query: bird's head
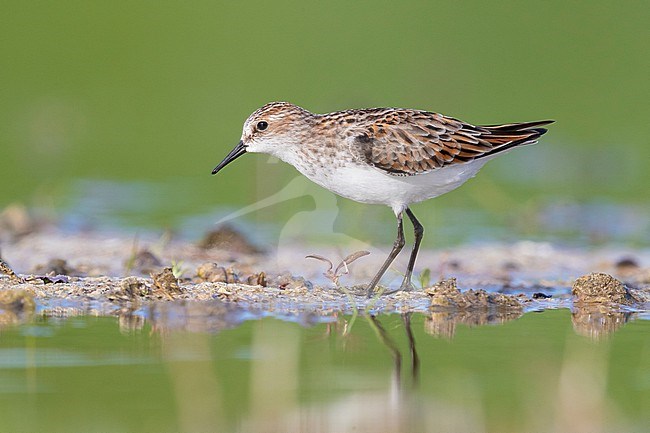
276 129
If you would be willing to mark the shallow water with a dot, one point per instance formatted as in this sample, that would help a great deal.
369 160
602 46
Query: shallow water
390 373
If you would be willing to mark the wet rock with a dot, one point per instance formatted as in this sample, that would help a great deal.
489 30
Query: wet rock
144 262
443 289
17 300
228 239
445 295
165 284
541 295
213 273
600 288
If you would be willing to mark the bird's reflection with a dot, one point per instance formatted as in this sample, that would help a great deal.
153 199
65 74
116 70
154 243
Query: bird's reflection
405 407
389 342
415 360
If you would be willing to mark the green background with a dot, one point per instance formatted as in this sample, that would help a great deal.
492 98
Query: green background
157 92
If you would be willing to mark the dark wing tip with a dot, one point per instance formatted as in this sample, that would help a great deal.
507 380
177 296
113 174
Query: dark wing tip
522 126
543 131
540 131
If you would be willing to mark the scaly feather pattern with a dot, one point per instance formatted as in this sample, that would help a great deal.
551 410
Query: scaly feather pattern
409 142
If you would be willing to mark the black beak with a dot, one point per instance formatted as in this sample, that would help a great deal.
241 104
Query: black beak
238 151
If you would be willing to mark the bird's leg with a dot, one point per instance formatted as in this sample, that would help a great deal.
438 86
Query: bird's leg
418 230
397 247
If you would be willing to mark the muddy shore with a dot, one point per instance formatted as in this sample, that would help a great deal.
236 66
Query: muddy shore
54 273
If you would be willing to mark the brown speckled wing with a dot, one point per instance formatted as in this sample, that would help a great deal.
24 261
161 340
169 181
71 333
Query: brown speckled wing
407 142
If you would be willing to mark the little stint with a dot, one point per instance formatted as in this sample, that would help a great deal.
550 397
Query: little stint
387 156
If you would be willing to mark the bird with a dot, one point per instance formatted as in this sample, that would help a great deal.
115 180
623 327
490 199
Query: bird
389 156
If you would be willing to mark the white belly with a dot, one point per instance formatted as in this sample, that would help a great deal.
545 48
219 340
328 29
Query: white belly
371 185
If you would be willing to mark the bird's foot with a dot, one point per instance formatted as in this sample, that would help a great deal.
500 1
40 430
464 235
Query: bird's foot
377 290
407 285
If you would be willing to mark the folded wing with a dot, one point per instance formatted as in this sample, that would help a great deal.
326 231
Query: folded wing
407 143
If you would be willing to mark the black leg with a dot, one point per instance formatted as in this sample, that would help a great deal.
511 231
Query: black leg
397 247
418 229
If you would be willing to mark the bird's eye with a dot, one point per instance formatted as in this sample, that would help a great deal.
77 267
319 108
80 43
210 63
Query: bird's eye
261 126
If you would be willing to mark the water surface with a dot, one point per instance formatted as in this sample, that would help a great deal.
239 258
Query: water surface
389 373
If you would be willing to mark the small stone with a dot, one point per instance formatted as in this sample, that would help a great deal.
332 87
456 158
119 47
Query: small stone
257 279
213 273
444 293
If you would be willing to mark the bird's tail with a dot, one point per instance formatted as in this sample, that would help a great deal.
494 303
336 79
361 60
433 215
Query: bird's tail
509 135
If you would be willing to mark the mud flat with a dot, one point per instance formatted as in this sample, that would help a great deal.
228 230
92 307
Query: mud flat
48 272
